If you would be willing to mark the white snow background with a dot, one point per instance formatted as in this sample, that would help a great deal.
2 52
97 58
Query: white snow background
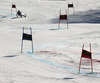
57 52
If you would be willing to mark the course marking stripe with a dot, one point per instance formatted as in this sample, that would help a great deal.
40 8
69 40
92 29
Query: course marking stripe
57 65
50 63
61 66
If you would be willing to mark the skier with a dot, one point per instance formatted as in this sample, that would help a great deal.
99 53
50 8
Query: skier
19 13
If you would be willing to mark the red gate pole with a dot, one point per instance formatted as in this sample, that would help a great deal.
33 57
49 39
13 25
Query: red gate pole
59 23
80 60
16 10
32 39
73 8
59 19
91 60
68 9
80 65
22 41
11 8
67 18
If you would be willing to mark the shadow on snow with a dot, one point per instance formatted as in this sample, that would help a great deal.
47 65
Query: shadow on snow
11 56
91 16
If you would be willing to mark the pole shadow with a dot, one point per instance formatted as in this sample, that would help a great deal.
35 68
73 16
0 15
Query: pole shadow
11 56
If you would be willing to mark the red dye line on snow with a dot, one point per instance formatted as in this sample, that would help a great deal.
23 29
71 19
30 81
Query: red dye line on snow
94 60
59 52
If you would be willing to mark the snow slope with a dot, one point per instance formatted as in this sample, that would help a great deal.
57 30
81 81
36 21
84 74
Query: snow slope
57 52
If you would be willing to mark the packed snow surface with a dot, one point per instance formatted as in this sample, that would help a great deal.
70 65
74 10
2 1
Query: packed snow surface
57 51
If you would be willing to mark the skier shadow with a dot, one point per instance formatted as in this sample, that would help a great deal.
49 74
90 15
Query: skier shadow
91 16
66 78
14 17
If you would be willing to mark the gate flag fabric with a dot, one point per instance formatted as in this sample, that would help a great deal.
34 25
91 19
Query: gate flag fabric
86 54
27 37
63 17
13 6
70 5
